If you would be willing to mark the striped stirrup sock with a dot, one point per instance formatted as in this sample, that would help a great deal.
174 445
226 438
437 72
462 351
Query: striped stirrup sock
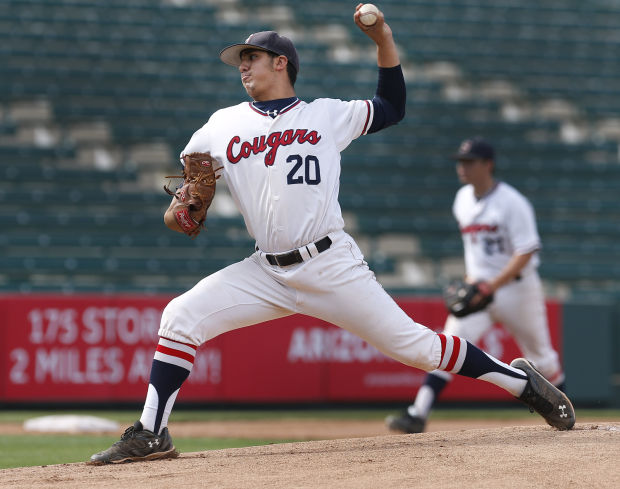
172 364
461 357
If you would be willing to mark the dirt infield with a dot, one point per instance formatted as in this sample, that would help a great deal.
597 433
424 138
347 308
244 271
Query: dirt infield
491 457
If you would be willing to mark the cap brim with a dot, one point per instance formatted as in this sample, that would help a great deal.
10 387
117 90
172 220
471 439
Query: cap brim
465 157
232 54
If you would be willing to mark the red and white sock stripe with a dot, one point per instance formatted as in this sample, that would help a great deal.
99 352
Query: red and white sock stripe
453 351
176 353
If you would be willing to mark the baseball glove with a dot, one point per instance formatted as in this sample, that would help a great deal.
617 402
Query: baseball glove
195 194
463 298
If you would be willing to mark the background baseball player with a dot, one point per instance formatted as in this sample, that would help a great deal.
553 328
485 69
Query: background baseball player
501 242
280 157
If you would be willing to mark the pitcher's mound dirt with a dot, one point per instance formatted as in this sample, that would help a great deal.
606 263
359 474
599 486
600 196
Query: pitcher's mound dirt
508 457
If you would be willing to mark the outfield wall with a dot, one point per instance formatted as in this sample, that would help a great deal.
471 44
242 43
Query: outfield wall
90 348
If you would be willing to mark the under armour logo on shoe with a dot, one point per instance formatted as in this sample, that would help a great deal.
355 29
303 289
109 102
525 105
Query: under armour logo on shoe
562 407
156 442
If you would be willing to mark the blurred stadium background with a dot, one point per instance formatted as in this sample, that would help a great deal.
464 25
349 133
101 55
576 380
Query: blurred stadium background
97 98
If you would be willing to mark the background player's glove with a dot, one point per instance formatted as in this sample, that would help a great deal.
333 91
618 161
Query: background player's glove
463 298
195 195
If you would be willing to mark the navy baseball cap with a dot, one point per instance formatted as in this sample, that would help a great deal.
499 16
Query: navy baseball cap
475 149
265 40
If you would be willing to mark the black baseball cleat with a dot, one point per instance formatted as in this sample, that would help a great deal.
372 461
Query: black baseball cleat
405 423
544 398
137 444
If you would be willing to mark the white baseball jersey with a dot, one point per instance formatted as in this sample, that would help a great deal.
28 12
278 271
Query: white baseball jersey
284 172
495 227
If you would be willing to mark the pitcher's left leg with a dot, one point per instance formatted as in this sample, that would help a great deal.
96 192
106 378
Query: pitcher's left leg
239 295
234 297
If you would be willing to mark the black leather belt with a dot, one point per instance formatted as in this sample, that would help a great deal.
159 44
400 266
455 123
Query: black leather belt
292 257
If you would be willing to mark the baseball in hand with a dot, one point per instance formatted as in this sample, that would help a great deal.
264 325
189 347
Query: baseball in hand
368 14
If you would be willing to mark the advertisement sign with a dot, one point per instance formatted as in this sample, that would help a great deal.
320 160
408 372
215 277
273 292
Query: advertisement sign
82 348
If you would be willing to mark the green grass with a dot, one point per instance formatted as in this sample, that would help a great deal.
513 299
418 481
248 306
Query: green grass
28 450
45 449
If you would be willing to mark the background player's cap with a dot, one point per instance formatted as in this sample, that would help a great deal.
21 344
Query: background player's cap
475 149
265 40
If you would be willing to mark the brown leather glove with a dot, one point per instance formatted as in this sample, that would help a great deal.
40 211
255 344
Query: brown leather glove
193 198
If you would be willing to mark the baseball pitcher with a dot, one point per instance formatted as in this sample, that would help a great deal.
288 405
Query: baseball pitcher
280 157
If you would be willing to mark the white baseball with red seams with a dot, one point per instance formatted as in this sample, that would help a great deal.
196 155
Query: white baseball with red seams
368 14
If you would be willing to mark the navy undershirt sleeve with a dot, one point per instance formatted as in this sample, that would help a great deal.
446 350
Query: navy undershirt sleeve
389 100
